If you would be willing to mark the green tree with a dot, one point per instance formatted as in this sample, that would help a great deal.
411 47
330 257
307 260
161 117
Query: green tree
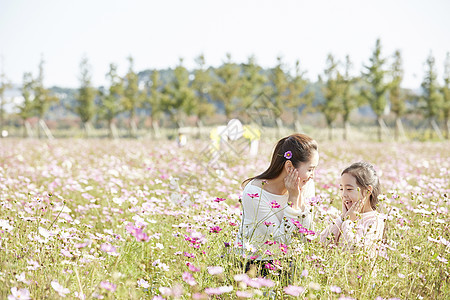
349 99
279 90
431 98
446 96
132 96
331 90
85 106
4 85
26 108
42 97
110 101
397 96
298 97
226 85
201 85
375 76
178 96
253 84
155 100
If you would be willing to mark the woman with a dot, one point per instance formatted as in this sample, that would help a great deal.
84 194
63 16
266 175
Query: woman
275 202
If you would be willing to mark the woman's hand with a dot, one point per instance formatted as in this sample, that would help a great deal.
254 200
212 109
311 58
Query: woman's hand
292 184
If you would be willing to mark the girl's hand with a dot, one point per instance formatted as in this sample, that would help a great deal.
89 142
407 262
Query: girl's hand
356 208
344 210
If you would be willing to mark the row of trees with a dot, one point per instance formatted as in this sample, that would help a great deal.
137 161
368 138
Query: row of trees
233 88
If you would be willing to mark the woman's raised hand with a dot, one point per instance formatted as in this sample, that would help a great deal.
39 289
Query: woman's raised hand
292 184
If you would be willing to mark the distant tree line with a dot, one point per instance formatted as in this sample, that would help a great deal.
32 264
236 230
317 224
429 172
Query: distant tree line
231 88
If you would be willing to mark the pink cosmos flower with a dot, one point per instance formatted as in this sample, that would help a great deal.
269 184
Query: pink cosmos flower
143 283
108 286
189 279
215 229
215 270
219 199
192 268
62 291
110 249
66 253
293 290
335 289
219 290
19 294
244 294
274 204
267 223
253 195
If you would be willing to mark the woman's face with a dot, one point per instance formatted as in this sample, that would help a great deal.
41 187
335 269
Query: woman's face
306 170
349 190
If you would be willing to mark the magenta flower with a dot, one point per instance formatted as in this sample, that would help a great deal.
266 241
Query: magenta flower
189 279
108 286
219 199
253 195
215 229
293 290
288 154
267 223
274 204
192 268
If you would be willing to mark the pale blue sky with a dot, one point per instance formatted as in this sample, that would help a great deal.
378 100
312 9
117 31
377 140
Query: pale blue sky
158 33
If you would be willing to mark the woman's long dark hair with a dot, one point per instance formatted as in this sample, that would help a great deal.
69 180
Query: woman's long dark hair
301 147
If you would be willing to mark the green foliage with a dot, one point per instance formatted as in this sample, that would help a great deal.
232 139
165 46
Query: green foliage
446 94
350 100
396 95
42 97
431 97
226 85
110 101
154 95
279 88
332 91
85 108
253 83
26 107
375 77
131 95
4 84
374 74
202 84
298 97
178 96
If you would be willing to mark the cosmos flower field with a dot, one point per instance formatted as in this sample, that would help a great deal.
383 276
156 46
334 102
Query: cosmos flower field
136 219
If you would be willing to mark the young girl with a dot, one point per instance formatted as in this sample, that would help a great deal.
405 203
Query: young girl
359 225
272 199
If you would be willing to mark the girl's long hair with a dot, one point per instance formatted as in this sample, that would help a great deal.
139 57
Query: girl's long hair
301 147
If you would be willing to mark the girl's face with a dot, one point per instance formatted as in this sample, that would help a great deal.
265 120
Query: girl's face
306 169
350 192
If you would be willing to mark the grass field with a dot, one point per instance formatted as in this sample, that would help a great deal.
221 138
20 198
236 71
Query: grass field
131 219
